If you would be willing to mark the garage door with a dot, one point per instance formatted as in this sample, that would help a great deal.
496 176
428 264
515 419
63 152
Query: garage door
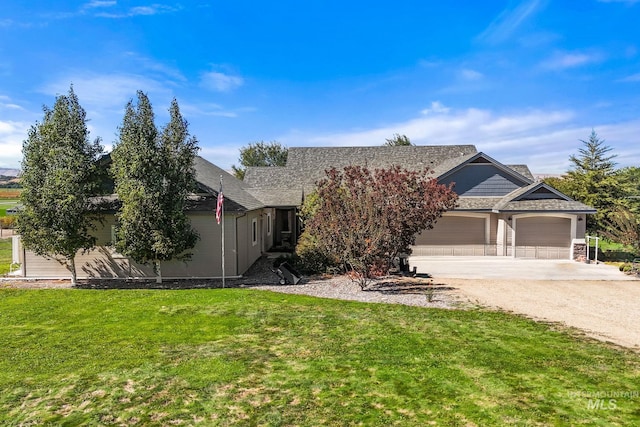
454 230
543 237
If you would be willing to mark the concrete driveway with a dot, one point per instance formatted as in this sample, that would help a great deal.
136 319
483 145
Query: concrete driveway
598 299
514 268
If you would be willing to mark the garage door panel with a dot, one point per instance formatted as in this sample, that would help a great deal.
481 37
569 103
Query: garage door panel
455 230
543 231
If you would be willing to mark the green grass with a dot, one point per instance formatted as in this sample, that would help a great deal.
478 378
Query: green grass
5 255
7 204
245 357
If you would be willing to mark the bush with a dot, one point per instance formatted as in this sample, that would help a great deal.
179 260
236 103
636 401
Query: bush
311 259
8 221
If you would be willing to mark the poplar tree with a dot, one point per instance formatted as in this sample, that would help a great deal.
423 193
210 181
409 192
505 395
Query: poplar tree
153 174
59 177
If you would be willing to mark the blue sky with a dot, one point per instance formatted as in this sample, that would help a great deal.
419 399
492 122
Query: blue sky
522 80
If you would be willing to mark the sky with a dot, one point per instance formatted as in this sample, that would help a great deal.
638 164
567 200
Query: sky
525 81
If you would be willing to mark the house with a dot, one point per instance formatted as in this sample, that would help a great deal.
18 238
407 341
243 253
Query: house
244 240
502 211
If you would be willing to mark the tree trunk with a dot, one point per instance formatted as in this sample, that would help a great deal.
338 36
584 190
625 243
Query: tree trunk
72 267
158 272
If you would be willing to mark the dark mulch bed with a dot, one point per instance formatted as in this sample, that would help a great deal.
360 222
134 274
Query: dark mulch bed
259 273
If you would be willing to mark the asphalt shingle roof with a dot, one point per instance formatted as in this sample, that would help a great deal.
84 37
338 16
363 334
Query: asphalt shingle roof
236 194
287 185
522 200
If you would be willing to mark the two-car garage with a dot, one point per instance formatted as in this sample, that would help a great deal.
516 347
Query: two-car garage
543 236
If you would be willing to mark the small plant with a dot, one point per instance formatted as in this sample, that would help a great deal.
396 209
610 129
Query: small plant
430 293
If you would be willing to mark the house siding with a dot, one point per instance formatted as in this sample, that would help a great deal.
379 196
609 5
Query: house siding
247 252
482 180
206 260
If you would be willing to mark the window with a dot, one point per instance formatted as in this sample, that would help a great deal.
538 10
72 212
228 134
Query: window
269 224
254 231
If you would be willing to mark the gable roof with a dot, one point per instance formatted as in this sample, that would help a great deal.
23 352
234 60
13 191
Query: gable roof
482 157
236 196
540 197
287 185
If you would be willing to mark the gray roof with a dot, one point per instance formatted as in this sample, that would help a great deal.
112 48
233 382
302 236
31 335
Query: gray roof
236 194
285 186
547 205
477 203
522 200
522 170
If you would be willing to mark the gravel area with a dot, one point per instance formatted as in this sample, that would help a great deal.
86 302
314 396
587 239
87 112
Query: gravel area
390 290
605 310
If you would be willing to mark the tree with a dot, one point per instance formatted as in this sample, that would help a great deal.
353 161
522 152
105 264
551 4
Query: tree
630 178
59 178
366 218
398 140
623 226
260 154
593 180
153 176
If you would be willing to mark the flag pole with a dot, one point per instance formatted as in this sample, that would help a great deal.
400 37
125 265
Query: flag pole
222 219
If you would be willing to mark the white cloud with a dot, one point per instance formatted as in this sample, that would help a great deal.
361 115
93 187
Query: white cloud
104 90
99 4
11 136
564 60
541 139
149 10
208 109
509 20
436 108
469 75
155 67
220 82
631 79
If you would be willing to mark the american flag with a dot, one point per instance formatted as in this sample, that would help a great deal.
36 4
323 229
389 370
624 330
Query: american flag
219 204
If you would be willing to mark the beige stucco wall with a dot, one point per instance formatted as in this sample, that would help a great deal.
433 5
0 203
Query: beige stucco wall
206 260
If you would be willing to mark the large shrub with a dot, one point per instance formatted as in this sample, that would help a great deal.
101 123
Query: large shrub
366 218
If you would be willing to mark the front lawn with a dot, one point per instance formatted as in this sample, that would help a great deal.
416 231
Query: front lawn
246 357
5 256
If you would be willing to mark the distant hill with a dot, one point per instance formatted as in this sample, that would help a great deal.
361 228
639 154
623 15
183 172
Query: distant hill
9 180
12 173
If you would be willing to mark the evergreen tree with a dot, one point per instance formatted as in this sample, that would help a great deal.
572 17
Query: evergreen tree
593 180
153 175
59 177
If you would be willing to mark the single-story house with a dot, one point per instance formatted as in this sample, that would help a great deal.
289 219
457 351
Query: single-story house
245 237
502 211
